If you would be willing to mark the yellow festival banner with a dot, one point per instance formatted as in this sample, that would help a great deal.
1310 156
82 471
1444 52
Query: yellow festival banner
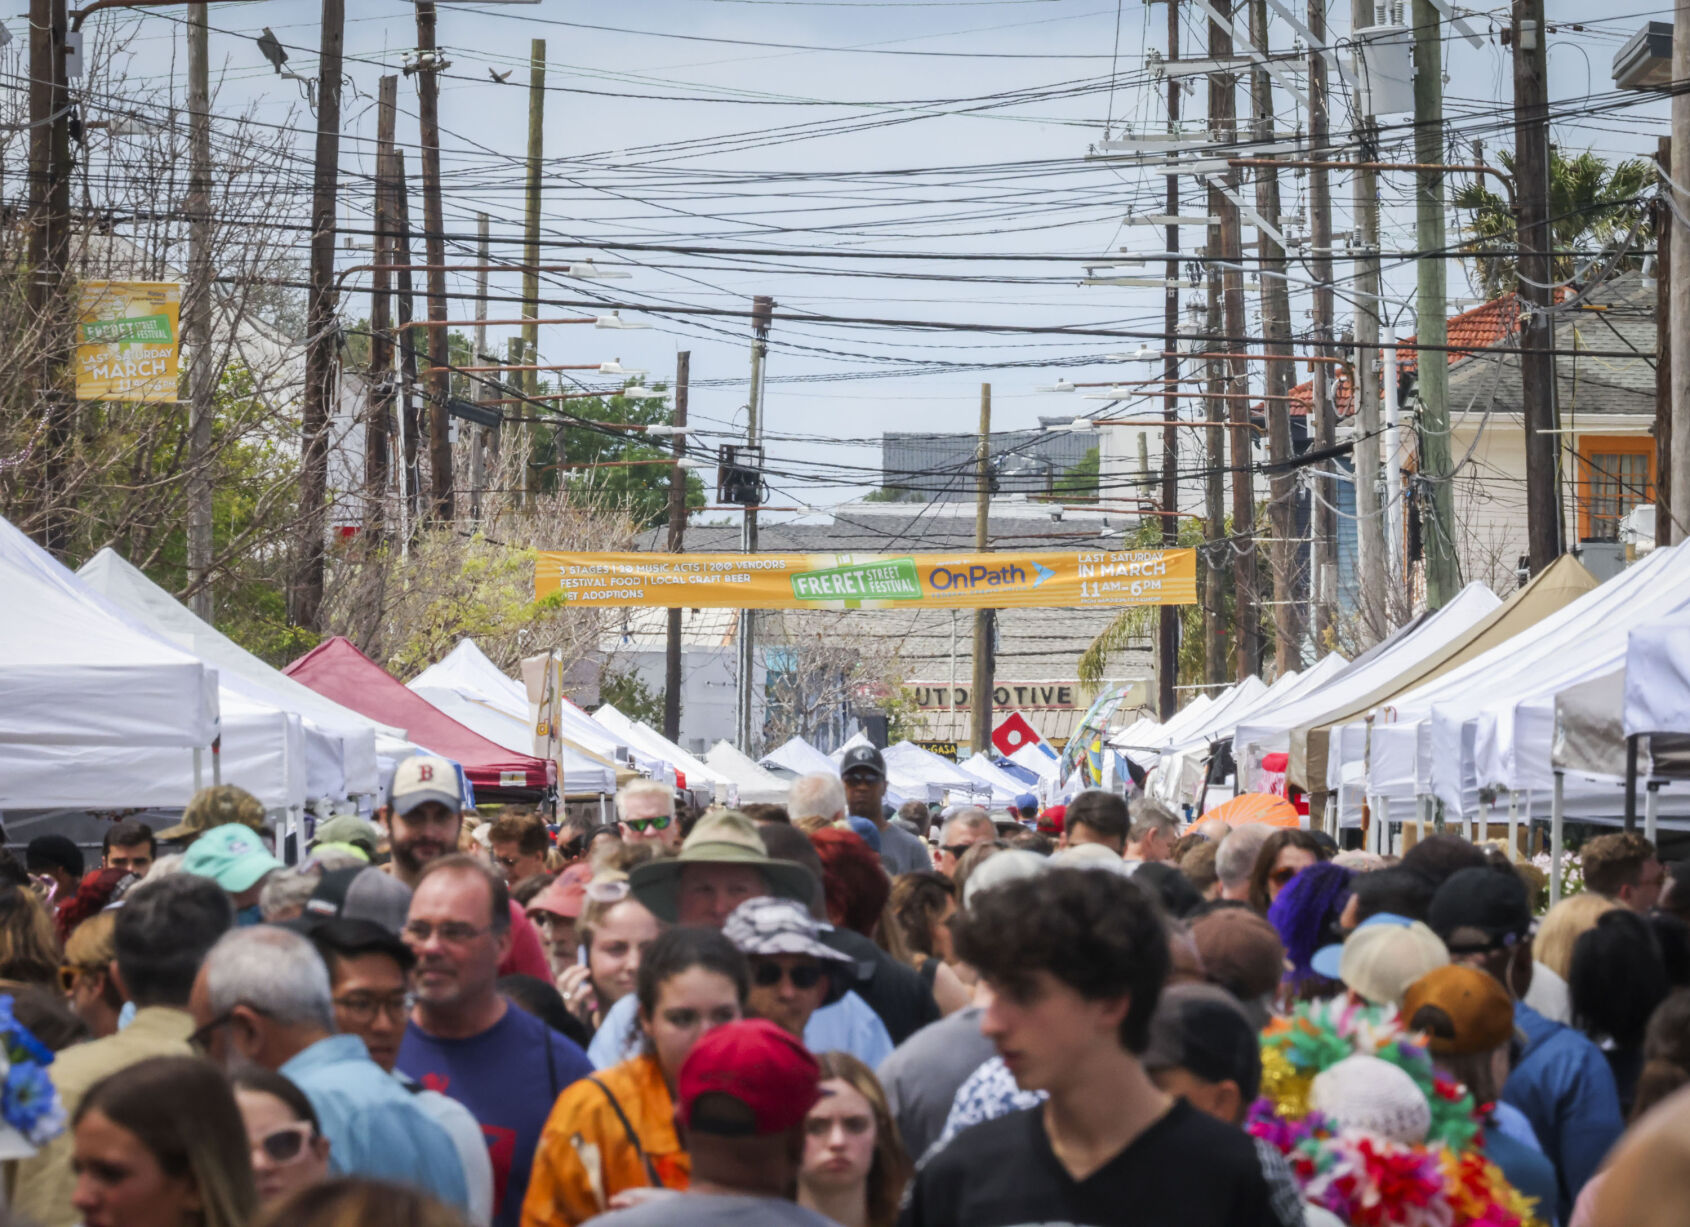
1009 580
126 340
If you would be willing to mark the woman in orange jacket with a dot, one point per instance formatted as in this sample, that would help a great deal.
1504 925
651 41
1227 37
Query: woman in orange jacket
615 1131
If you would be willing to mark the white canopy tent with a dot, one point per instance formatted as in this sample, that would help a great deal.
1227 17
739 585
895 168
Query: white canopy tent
748 783
799 757
1657 679
910 769
1490 723
1271 731
1004 787
74 671
340 744
650 742
471 689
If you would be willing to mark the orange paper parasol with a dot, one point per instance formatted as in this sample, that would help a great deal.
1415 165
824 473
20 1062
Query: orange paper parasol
1255 807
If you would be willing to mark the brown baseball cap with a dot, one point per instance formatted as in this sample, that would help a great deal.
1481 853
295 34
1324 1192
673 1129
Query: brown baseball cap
219 805
1476 1013
1241 952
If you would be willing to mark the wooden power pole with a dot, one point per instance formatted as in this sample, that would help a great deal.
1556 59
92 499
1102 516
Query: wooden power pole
1168 616
677 531
984 683
321 334
202 375
478 434
1323 519
49 249
1432 329
1374 595
531 252
1537 333
434 247
1665 532
378 419
762 313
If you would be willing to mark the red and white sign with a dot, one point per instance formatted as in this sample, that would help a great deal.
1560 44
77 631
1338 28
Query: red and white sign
1013 733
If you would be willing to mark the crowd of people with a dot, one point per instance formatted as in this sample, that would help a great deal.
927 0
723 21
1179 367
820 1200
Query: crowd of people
834 1012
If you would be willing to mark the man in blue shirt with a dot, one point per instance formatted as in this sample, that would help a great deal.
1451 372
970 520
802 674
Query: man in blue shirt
1561 1081
464 1039
262 997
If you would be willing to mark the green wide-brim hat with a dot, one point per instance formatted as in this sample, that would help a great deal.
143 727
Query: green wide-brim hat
722 837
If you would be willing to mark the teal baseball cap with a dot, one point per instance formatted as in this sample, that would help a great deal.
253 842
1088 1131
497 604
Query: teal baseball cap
232 856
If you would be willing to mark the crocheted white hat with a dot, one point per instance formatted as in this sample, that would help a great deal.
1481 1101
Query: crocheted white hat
1371 1094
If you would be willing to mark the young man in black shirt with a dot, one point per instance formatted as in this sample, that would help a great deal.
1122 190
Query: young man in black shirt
1075 961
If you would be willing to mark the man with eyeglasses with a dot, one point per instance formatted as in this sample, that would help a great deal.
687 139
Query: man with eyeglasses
792 973
262 997
423 817
962 830
464 1039
368 975
646 809
863 772
519 842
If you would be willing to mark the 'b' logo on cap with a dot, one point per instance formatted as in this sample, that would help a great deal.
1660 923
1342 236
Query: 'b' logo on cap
425 773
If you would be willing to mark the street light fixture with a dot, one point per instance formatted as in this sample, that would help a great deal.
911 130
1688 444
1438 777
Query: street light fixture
615 320
586 270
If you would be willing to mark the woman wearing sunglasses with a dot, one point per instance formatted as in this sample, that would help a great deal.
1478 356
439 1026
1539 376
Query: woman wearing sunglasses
86 976
1283 854
612 1136
288 1152
613 932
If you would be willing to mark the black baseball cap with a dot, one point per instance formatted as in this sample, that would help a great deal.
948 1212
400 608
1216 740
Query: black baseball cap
1492 901
862 758
1202 1029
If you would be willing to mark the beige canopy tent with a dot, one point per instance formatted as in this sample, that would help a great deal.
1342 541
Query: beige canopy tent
1559 584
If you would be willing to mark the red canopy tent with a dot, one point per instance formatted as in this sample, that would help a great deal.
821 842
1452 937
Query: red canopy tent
339 671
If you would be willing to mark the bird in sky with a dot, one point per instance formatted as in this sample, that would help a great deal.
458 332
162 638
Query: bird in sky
501 77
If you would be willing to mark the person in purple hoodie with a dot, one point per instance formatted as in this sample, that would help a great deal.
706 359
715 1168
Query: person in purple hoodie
1560 1081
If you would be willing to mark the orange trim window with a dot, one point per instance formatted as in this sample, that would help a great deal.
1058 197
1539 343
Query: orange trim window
1615 474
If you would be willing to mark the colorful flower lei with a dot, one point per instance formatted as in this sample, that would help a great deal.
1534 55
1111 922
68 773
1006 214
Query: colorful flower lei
1369 1181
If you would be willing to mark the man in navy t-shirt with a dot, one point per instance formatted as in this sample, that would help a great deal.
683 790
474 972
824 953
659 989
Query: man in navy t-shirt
464 1039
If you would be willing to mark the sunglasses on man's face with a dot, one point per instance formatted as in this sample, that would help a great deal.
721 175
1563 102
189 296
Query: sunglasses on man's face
640 825
803 976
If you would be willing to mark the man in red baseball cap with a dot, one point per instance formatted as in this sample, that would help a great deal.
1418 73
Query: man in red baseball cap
740 1102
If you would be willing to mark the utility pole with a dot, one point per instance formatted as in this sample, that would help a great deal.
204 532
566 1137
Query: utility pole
410 417
478 434
1168 616
762 311
677 529
202 376
379 410
1216 552
531 252
1280 375
1678 479
1323 520
1432 365
1531 202
321 334
49 247
1377 586
1223 115
981 698
434 247
1665 533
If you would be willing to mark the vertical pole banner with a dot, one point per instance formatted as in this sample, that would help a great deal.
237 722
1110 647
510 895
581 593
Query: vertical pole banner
127 337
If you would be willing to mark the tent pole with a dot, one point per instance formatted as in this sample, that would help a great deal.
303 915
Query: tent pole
1631 783
1556 804
1513 825
1652 811
601 809
199 768
1381 820
1329 813
1420 816
217 761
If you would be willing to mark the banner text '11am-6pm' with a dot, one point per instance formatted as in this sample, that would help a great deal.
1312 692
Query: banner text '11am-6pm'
1047 579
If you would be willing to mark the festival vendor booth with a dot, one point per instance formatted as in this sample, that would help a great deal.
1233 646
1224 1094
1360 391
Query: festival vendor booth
919 774
686 771
1004 786
796 757
99 712
347 765
1312 769
748 783
338 670
1270 733
558 718
471 689
1482 732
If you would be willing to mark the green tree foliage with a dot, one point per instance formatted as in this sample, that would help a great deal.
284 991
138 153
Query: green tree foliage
1080 482
894 494
1591 204
624 691
640 490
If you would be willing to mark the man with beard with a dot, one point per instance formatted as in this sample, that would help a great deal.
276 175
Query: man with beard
262 998
423 817
464 1038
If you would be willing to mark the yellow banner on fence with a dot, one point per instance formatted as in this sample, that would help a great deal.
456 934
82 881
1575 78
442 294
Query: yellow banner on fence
126 340
1010 580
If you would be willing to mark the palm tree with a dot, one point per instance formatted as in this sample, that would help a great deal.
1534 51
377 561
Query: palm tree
1591 205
